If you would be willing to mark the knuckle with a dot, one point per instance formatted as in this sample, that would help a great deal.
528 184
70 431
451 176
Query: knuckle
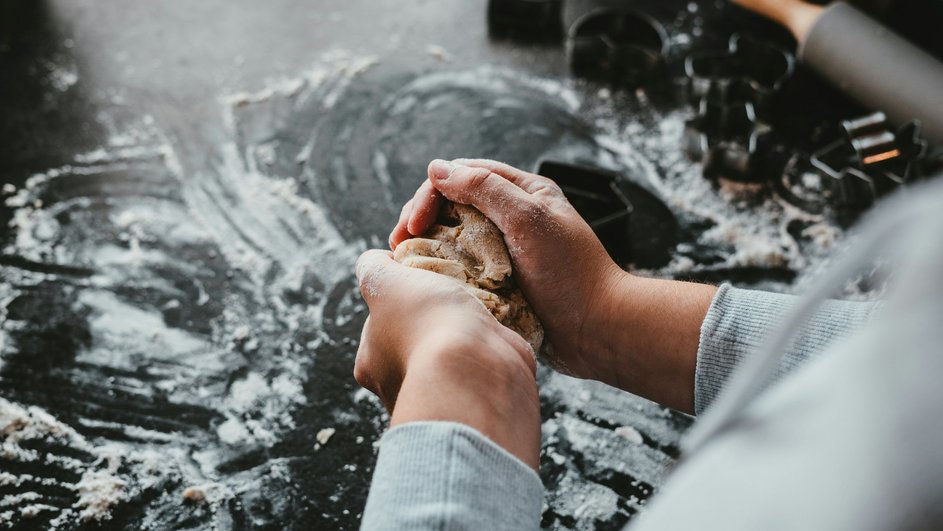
531 213
361 374
476 177
548 184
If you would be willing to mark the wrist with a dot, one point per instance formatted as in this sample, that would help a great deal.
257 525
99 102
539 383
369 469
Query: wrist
480 381
648 341
607 315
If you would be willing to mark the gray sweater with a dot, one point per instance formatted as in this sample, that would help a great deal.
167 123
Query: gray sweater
851 440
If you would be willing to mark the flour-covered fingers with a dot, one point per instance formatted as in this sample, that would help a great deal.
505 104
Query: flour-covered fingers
499 199
529 182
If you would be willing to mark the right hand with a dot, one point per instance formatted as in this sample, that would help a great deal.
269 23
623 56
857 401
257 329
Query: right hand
559 263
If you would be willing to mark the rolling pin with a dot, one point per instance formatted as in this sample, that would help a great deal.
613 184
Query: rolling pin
864 59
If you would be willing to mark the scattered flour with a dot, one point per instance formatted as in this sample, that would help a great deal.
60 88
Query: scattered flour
100 488
438 52
258 225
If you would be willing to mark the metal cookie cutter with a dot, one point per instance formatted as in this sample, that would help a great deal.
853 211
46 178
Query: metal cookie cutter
871 161
730 141
632 223
749 70
527 19
623 47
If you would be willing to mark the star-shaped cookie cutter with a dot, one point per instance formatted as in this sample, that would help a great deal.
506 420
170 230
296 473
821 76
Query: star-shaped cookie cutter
870 161
623 47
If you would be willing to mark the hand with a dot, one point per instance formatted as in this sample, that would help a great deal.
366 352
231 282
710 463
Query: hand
602 323
560 264
431 351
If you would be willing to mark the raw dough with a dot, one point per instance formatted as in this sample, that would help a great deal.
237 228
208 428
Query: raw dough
468 247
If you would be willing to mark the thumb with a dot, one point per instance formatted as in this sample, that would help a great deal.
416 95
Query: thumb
497 198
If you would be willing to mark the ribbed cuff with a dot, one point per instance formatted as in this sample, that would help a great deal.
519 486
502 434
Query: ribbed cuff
445 475
738 323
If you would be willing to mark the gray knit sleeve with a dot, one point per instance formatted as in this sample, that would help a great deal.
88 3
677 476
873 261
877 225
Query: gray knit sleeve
739 321
444 475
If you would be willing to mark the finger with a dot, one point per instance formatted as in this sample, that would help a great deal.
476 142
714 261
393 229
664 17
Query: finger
400 233
529 182
373 267
362 360
426 208
499 199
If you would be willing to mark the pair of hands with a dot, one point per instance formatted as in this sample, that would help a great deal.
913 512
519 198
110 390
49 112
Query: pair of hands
431 351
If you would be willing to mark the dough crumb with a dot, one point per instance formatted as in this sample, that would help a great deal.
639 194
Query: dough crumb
324 436
630 434
196 494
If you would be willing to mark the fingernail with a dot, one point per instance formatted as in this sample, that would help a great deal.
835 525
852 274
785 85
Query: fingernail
441 169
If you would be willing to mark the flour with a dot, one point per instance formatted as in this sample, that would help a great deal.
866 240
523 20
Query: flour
752 229
438 52
100 486
630 434
335 70
125 263
62 75
100 490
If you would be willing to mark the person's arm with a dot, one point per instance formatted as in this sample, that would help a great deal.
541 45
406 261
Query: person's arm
449 361
462 395
601 323
640 335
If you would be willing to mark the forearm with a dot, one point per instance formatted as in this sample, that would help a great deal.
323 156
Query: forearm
677 342
649 337
480 382
464 438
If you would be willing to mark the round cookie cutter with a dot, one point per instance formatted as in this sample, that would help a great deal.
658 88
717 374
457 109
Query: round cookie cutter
625 47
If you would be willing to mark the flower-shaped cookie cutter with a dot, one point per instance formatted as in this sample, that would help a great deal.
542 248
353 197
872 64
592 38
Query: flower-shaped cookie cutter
622 47
871 161
749 70
527 19
729 140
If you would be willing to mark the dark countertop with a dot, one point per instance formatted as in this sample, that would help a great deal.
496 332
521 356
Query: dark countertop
187 186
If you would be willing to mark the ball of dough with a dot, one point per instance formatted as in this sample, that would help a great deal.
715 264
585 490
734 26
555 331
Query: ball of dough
468 247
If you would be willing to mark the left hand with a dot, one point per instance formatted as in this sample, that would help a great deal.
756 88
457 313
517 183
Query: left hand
431 351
